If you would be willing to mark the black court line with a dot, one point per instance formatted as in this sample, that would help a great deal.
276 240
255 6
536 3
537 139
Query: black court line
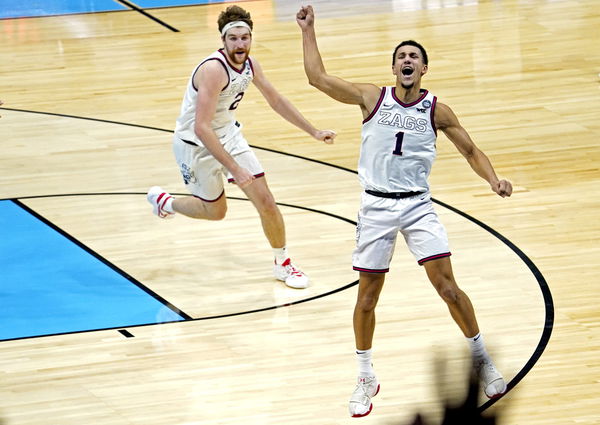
548 302
547 295
146 14
187 317
101 259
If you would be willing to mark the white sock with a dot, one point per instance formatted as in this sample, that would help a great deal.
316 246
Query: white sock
281 254
477 346
168 206
365 363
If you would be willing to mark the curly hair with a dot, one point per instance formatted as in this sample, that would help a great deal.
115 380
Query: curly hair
231 14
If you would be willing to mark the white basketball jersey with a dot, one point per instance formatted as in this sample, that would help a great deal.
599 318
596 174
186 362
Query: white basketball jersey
224 120
398 144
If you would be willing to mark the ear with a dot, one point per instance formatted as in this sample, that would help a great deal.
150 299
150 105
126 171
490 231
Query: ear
424 70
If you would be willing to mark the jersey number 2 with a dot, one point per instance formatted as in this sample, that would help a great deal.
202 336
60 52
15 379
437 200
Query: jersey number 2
236 102
398 148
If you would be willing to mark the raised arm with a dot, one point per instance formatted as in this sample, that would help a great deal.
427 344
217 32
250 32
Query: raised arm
210 78
447 121
365 95
284 107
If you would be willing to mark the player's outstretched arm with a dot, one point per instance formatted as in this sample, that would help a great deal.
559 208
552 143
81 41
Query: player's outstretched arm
335 87
285 108
446 120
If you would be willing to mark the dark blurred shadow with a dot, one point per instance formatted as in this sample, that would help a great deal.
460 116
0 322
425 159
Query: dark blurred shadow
461 412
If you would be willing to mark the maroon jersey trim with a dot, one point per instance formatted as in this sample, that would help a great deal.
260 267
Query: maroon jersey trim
381 96
239 71
407 105
202 63
433 114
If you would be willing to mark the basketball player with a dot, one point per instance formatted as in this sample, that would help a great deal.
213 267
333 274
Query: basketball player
398 148
208 142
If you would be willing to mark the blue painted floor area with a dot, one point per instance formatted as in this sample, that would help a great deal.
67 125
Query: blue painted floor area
36 8
173 3
50 285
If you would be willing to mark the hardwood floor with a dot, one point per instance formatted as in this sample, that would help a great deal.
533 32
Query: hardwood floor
89 104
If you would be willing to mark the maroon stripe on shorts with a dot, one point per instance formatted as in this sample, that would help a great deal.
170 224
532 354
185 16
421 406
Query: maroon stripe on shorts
210 200
256 176
361 269
434 257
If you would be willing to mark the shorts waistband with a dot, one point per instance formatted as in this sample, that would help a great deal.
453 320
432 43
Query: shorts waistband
394 195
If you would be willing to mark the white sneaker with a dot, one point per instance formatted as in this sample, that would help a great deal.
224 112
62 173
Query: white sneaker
493 382
292 276
157 198
360 402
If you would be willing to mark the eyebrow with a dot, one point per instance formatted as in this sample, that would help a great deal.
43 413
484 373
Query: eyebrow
409 53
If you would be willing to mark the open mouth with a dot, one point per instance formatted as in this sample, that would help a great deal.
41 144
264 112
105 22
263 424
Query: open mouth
407 71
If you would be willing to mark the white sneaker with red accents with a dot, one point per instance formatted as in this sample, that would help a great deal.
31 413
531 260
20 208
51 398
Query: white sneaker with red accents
360 402
290 274
158 198
494 385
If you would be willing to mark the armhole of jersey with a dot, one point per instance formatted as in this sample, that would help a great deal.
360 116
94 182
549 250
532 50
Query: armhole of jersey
202 63
251 65
433 103
379 101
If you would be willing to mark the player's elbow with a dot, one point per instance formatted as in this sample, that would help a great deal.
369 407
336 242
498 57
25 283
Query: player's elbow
317 81
201 129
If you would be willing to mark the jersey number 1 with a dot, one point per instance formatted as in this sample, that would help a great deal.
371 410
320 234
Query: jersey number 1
398 149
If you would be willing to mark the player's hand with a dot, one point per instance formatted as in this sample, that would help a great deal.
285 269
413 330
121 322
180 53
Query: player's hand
326 136
305 17
242 177
503 188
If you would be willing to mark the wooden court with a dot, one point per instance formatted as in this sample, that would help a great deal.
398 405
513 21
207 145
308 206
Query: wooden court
90 101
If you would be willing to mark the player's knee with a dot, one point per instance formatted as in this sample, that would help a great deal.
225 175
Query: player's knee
449 294
267 206
209 211
366 303
217 213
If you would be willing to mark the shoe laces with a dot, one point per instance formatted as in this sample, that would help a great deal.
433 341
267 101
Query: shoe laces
361 392
364 384
485 368
289 267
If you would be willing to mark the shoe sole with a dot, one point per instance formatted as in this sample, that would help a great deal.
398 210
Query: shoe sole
290 286
364 414
495 396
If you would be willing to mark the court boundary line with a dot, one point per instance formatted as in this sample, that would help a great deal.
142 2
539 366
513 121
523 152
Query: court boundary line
544 288
138 9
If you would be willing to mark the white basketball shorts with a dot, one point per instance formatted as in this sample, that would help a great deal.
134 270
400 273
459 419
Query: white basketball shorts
203 174
380 220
